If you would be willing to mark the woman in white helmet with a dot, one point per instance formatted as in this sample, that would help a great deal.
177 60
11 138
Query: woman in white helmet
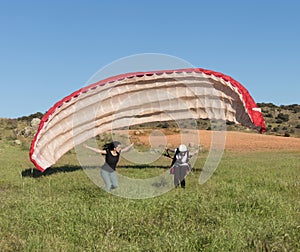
180 164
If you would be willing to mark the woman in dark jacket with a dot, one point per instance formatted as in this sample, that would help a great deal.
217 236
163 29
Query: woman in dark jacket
112 153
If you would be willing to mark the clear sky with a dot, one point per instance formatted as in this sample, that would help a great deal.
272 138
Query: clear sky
49 49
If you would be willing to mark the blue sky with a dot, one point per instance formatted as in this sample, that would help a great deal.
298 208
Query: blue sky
49 49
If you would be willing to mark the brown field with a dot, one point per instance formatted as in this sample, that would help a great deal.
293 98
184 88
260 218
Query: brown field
236 141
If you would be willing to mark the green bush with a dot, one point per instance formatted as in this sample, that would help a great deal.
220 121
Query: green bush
269 105
283 117
11 124
30 117
269 115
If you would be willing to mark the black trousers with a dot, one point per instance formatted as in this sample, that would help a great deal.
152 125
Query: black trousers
179 175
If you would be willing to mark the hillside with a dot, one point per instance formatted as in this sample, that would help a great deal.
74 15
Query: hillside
281 120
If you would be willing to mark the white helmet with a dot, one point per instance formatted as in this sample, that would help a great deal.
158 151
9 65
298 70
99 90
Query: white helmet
182 148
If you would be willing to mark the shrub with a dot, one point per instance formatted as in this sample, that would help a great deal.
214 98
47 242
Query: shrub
164 125
269 105
269 115
30 117
295 108
283 117
11 124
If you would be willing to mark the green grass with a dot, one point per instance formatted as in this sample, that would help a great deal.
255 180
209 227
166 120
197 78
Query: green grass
251 203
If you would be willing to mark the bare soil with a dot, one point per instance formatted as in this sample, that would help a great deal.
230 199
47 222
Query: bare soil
235 141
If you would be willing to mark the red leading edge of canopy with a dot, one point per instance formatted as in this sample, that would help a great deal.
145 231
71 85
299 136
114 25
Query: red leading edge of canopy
255 115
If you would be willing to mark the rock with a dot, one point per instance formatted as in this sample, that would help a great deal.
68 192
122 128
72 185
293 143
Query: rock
35 122
27 131
18 142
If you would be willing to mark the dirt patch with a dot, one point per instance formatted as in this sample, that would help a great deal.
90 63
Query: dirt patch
238 141
235 141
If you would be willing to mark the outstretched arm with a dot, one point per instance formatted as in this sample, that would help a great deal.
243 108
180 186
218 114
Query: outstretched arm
168 149
127 147
94 149
167 154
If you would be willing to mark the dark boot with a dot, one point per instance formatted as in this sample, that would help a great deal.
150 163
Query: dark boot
182 183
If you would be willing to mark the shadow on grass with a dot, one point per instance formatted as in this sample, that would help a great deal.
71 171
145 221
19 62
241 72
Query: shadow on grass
35 173
143 166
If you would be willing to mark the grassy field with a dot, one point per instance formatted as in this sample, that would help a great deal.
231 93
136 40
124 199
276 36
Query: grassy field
251 203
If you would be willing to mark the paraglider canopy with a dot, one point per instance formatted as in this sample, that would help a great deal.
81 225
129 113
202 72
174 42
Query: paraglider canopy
141 97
